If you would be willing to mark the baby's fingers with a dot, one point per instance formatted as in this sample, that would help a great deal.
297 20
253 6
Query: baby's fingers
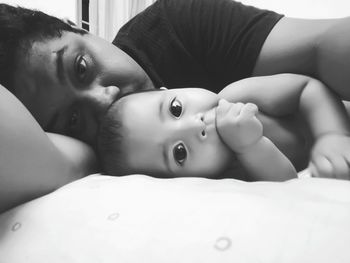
336 167
249 110
223 107
340 167
321 167
227 108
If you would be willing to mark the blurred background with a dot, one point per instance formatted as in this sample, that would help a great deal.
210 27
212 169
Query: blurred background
105 17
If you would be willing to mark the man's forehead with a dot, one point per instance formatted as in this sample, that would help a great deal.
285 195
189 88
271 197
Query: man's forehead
35 82
43 47
56 42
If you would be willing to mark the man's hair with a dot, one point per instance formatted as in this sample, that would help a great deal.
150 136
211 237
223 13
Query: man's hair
19 29
110 143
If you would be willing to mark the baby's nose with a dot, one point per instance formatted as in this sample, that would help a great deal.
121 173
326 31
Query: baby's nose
199 126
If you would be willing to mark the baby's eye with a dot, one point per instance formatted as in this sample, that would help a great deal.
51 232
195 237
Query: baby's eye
81 67
175 108
180 153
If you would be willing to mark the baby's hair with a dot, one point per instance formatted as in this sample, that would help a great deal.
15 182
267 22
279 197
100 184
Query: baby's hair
110 137
109 143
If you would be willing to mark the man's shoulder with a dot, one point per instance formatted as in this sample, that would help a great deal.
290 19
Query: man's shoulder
175 10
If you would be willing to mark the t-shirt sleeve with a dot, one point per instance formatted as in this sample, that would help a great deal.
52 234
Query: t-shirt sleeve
225 36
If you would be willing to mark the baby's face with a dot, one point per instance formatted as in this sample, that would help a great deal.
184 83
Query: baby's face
173 133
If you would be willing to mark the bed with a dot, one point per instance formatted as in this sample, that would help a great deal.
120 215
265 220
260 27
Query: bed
142 219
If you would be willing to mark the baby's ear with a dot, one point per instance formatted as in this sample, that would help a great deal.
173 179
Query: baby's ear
163 88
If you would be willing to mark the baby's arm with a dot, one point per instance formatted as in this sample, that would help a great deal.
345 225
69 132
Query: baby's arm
243 133
285 94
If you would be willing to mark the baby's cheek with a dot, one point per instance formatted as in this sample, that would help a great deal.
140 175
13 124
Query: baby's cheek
220 160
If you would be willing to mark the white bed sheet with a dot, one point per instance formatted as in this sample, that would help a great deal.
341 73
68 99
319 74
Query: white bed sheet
142 219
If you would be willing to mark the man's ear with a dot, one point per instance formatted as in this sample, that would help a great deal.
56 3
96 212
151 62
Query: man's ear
71 23
163 88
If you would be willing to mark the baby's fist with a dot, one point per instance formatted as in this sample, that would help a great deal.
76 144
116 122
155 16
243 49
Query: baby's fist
237 124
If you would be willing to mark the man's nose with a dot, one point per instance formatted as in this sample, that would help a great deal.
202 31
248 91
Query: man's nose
102 97
94 104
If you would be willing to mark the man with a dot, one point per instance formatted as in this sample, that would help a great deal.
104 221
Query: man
67 81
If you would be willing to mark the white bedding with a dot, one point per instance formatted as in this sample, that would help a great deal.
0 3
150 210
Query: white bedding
142 219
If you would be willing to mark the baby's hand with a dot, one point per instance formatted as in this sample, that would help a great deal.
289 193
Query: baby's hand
330 157
237 125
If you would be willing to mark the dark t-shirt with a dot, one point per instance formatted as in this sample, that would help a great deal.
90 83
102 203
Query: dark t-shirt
198 43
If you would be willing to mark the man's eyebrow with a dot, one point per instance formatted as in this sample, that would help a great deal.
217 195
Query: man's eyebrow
59 65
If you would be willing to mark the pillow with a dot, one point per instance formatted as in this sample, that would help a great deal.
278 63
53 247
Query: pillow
142 219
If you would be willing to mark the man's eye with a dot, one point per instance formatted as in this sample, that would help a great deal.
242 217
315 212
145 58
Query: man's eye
175 108
180 153
81 67
73 122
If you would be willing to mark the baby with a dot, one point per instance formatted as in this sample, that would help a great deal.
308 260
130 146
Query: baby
194 132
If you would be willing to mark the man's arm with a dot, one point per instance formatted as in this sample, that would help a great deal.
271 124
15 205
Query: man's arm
318 48
79 153
285 94
242 132
30 164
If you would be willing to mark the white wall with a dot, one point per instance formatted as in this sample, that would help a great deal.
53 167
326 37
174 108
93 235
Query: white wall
293 8
58 8
305 8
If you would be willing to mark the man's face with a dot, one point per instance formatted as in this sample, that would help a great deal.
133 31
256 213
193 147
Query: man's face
172 133
68 83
